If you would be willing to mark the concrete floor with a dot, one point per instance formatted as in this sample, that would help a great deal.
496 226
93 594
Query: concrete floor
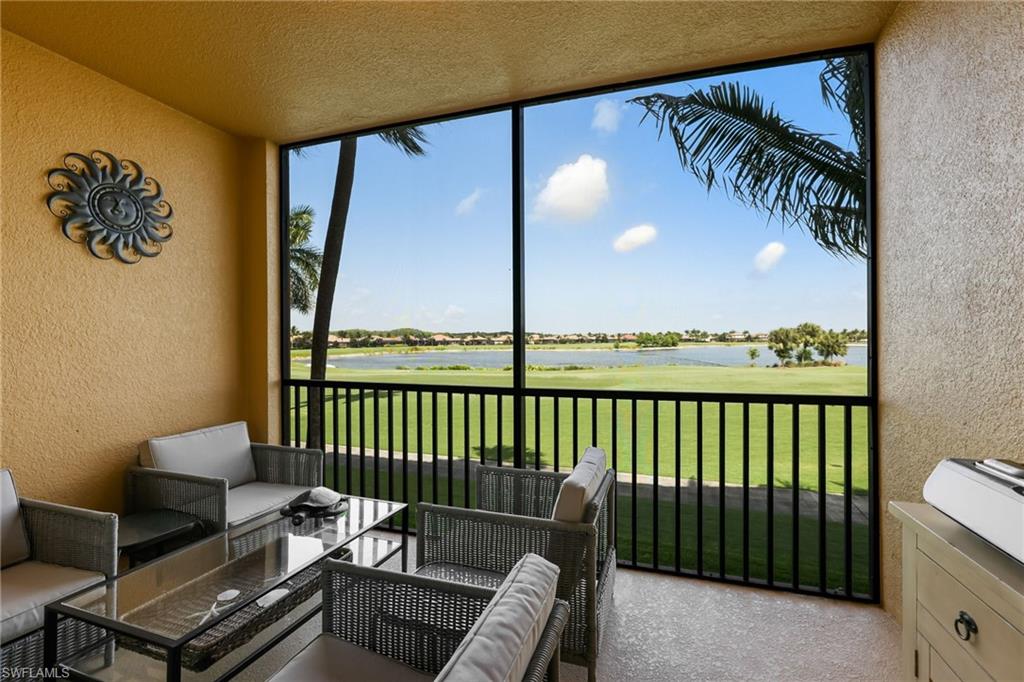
668 628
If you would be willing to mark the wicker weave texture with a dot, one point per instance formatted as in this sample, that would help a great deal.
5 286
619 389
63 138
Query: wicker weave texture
26 653
68 536
518 491
291 466
546 659
206 498
418 621
495 538
200 496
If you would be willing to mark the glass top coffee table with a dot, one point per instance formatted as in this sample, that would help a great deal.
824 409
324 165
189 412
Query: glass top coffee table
210 609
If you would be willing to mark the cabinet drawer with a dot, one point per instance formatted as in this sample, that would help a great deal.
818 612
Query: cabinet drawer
997 646
939 644
938 671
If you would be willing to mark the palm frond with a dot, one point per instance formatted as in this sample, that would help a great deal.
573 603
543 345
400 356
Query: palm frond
304 261
842 87
301 297
410 139
729 138
300 224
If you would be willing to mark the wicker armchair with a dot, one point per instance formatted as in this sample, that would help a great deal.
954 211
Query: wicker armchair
67 549
513 519
411 627
222 480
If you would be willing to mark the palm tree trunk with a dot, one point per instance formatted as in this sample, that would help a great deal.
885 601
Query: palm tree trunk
328 280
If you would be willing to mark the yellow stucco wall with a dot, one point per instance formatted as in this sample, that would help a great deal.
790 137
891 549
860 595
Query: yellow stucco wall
951 245
261 349
98 355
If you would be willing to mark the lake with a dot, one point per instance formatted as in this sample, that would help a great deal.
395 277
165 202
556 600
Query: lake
707 356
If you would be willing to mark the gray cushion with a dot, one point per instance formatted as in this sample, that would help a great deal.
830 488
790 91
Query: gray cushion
255 499
219 452
580 487
501 643
457 573
14 545
29 586
329 657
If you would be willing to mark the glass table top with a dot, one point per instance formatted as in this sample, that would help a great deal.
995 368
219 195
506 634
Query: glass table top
179 593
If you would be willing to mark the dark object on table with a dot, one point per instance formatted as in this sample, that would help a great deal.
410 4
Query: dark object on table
318 503
146 535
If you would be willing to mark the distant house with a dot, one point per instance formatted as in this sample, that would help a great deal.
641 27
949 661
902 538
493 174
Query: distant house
338 341
501 340
391 340
442 339
627 337
737 336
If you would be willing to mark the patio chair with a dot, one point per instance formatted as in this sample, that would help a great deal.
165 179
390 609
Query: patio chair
218 476
565 518
48 551
384 625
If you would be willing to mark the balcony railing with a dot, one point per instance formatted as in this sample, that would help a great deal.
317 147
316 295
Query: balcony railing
783 494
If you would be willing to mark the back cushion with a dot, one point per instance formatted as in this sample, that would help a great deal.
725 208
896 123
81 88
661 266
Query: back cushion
501 643
14 545
580 487
219 451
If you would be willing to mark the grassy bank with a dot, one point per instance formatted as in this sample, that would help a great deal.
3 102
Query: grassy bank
624 345
370 429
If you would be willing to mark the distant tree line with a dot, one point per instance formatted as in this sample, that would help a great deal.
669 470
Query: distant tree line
658 339
797 345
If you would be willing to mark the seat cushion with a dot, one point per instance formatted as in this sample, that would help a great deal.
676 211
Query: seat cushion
254 499
501 643
457 573
29 586
219 452
329 657
14 545
580 487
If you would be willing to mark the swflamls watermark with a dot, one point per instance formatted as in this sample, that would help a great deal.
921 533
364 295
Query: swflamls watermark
31 673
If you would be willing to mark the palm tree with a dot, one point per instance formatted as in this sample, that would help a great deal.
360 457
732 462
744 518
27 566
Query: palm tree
304 261
728 137
409 139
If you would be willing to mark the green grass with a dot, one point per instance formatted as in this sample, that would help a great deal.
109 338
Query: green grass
812 380
757 550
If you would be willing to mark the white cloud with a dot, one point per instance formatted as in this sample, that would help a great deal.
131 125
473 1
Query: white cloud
768 257
635 237
607 114
468 203
575 191
453 312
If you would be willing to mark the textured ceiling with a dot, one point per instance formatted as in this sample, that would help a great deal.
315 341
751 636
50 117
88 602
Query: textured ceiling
293 70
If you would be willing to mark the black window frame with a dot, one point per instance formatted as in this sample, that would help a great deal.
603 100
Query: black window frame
516 109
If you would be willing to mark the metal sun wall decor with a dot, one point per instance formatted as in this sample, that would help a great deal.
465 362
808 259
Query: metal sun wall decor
110 206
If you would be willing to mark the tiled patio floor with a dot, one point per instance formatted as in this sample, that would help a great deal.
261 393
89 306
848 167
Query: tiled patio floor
668 628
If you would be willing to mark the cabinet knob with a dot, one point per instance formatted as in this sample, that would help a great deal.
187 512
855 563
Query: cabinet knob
965 626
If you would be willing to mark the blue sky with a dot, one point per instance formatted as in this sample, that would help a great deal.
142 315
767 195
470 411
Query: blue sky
618 236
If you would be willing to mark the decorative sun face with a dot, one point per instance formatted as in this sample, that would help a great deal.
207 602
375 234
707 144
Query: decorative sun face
110 206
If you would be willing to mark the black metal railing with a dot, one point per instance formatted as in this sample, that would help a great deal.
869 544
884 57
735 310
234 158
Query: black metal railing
772 490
